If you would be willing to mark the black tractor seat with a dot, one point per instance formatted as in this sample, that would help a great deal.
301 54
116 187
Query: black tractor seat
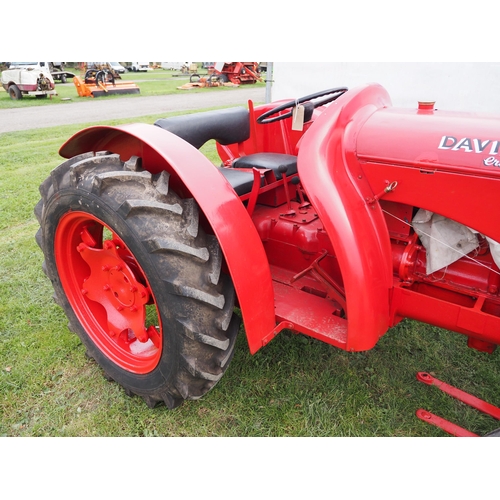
229 126
271 161
226 126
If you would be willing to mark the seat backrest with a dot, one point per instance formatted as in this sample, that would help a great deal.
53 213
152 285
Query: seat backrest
226 126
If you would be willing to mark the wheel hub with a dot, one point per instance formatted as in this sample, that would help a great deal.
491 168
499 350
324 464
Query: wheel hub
113 284
108 291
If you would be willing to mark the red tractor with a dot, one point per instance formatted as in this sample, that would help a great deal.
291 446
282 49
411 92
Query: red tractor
334 215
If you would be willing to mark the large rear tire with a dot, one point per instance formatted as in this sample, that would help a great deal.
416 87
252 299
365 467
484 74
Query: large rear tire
138 278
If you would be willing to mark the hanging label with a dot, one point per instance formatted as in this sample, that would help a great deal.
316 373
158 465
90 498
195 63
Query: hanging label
298 117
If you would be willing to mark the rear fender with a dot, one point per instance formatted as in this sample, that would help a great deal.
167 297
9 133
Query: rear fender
193 175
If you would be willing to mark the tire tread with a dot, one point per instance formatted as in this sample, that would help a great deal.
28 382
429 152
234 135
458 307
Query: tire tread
188 262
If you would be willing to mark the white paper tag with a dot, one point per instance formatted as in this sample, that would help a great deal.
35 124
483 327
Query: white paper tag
298 117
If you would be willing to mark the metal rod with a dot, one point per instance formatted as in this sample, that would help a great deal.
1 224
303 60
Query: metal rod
269 78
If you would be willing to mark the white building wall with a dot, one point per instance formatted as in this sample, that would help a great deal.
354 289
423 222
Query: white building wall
454 86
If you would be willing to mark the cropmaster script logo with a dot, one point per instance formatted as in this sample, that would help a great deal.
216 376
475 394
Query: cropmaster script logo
469 145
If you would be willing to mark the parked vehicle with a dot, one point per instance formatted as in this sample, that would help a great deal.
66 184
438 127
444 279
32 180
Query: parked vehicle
140 66
325 218
28 79
56 69
116 66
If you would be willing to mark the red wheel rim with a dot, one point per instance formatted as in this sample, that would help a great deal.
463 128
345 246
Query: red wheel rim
109 292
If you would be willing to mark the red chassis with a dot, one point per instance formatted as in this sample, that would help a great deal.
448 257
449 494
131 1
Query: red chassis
335 256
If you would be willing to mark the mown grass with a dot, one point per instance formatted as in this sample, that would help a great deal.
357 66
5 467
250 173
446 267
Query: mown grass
295 386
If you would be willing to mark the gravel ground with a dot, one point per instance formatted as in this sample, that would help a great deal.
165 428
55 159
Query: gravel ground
96 110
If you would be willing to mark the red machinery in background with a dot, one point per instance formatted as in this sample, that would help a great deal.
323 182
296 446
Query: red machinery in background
239 73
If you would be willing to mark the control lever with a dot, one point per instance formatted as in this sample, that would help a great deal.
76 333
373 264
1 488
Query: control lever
282 169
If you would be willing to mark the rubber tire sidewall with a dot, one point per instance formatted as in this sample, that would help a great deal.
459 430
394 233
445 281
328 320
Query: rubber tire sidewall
152 382
14 93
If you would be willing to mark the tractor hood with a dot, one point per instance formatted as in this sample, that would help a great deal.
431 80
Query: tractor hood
432 140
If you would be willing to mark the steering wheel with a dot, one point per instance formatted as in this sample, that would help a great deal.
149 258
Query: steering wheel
331 95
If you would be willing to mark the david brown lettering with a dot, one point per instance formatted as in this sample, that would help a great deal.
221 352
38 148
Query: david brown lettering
469 145
491 162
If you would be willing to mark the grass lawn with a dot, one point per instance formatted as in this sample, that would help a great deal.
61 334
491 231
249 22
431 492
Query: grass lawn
295 386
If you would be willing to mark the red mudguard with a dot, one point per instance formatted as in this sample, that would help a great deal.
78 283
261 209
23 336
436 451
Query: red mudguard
335 183
193 175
